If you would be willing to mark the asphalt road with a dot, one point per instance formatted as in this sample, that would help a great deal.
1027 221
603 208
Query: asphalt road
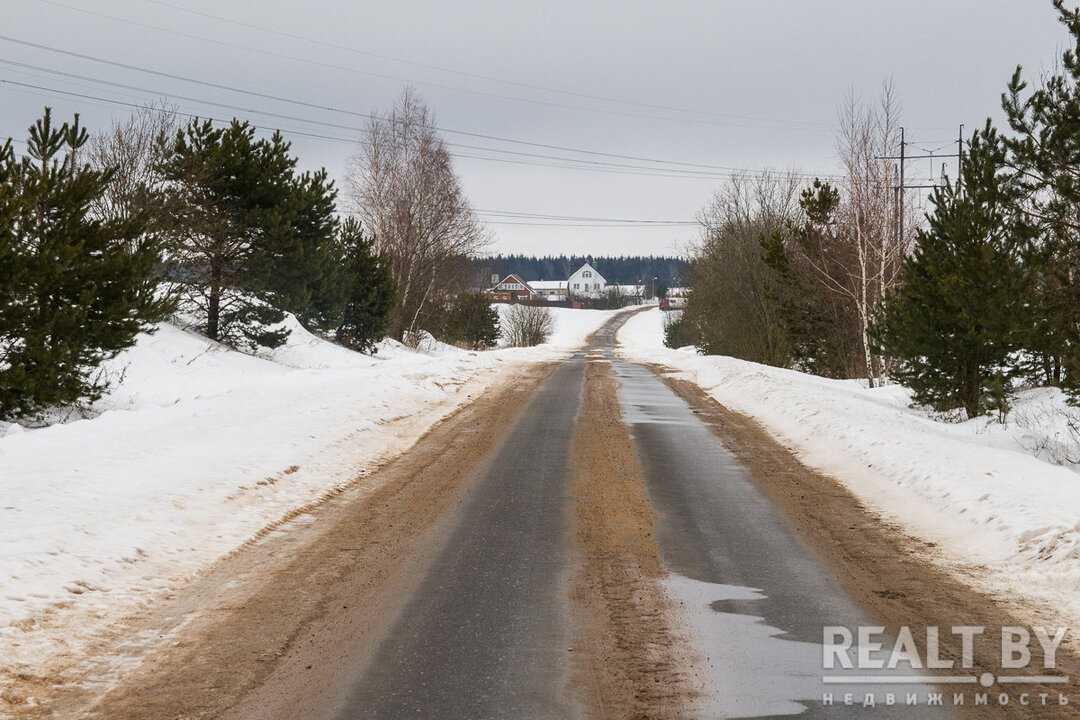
727 546
486 635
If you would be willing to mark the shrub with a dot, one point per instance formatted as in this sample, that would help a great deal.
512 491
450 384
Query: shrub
527 325
676 331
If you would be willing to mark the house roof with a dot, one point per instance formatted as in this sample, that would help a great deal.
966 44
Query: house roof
588 266
548 284
512 278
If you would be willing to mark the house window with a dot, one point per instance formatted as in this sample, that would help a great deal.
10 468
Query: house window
577 286
586 274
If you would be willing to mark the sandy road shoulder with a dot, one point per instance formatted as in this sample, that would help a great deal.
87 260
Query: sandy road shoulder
270 608
897 579
632 658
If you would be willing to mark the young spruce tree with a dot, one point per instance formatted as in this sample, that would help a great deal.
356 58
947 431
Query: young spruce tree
957 313
369 290
75 290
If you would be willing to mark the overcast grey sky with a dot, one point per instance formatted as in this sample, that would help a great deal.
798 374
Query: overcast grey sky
721 83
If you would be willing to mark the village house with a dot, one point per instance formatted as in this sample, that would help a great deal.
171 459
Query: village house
632 293
512 289
550 290
586 282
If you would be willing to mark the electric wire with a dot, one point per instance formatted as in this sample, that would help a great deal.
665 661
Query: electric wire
353 113
654 170
779 123
475 76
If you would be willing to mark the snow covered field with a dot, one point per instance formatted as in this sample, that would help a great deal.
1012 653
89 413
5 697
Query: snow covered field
194 451
985 493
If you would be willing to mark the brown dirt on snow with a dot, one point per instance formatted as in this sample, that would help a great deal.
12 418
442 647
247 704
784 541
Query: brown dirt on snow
629 659
891 575
242 641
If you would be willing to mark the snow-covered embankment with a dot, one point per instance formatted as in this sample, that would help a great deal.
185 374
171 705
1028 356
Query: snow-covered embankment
194 451
1007 519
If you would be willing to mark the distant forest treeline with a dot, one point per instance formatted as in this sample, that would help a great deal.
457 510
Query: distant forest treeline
670 271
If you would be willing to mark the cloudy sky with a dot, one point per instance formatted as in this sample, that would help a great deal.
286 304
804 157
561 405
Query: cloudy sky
569 120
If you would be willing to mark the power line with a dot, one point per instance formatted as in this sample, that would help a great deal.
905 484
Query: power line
330 138
570 221
544 216
477 76
580 164
354 113
600 165
780 124
660 173
577 225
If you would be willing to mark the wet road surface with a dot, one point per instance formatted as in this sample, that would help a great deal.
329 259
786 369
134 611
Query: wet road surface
486 634
762 596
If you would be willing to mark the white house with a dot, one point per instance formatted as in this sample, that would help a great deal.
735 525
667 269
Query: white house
586 281
633 293
550 290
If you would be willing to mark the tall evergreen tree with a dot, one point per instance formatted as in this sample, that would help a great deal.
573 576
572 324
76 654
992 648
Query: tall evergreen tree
954 320
249 237
1044 154
76 289
370 292
296 267
13 283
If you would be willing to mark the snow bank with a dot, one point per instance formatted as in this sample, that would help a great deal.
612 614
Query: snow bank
572 327
976 489
194 451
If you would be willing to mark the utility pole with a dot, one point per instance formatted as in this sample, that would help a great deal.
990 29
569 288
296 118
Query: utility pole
960 158
900 189
903 157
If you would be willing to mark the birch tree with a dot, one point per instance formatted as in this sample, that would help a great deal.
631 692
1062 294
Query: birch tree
860 246
133 147
405 191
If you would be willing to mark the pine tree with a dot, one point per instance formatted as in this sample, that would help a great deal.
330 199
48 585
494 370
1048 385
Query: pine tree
955 318
13 285
76 289
370 293
1045 154
249 237
297 267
